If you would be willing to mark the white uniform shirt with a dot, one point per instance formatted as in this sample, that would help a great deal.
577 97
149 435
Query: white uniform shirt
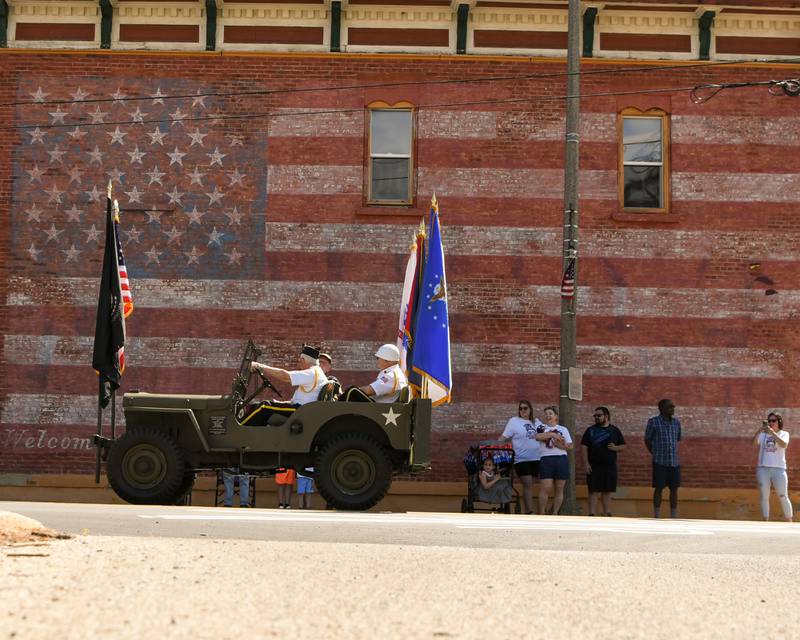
548 448
522 434
389 383
308 382
770 453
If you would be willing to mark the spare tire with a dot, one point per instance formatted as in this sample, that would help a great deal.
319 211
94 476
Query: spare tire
147 466
354 472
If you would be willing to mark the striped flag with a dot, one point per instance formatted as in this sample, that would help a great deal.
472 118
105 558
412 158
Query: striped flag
125 285
568 281
408 301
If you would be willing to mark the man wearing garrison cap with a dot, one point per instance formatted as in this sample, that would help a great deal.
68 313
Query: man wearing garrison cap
308 379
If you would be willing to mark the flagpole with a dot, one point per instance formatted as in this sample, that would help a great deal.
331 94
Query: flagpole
570 246
99 431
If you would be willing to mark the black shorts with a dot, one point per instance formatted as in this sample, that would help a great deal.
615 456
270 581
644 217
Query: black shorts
602 479
554 468
666 476
528 468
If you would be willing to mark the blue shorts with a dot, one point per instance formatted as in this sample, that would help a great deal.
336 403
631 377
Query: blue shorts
305 485
554 468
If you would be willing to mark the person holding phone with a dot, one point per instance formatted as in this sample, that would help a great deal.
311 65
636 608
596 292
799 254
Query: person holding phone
772 442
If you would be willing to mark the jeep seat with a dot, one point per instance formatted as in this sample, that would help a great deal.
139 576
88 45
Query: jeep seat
405 395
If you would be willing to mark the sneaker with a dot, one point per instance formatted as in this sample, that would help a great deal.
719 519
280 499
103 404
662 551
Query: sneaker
244 506
608 515
280 506
288 506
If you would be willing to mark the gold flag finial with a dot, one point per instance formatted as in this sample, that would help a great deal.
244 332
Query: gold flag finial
421 231
109 189
434 203
116 211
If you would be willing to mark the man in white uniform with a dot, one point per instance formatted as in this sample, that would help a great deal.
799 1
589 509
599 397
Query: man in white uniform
308 380
390 381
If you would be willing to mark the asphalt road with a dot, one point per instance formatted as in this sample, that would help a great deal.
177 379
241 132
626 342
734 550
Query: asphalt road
466 531
190 572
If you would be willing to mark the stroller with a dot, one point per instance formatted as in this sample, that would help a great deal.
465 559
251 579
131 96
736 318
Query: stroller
500 496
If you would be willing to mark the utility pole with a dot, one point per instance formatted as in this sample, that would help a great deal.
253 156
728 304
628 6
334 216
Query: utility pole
566 405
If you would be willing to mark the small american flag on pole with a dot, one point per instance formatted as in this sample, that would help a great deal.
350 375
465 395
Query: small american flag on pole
568 282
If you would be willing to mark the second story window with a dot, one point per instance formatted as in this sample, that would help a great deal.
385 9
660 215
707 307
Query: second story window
391 161
644 166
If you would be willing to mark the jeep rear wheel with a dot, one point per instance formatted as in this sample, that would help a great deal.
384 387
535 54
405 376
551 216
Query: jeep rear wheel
146 467
353 472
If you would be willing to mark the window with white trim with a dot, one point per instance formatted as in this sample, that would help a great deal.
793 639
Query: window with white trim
391 155
643 157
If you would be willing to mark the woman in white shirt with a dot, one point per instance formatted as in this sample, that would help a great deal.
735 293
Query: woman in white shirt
772 441
521 430
554 441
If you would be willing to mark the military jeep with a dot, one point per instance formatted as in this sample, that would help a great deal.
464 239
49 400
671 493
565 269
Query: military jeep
354 447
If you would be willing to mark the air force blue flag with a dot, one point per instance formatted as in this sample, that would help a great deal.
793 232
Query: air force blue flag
431 358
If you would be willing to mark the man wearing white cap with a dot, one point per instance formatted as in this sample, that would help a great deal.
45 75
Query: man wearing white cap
390 381
308 380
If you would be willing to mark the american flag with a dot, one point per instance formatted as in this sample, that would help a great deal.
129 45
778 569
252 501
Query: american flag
568 281
127 295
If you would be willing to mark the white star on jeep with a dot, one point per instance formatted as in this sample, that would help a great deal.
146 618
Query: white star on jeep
391 417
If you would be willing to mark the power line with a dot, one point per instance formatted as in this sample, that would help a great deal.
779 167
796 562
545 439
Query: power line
269 114
379 85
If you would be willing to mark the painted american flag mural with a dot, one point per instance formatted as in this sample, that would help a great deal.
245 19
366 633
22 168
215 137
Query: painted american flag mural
192 192
192 195
664 310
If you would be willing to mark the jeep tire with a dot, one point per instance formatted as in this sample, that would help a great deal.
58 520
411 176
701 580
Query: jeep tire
147 467
354 472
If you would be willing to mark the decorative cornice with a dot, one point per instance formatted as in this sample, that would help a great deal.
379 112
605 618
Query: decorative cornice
517 18
398 14
154 11
648 21
274 12
756 24
41 9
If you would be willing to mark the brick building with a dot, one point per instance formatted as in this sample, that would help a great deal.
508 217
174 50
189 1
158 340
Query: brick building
283 154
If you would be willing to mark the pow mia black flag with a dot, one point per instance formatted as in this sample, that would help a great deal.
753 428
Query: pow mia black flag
108 358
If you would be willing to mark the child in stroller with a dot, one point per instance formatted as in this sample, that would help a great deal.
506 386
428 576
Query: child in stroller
489 467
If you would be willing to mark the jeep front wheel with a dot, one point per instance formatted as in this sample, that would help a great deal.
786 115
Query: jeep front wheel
353 472
146 467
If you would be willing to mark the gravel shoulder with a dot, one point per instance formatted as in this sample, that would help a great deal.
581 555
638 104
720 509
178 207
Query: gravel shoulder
104 587
21 530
